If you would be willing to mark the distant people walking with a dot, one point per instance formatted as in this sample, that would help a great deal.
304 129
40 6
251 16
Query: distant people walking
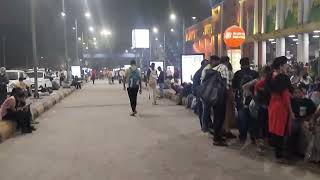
152 79
3 84
133 79
161 82
93 75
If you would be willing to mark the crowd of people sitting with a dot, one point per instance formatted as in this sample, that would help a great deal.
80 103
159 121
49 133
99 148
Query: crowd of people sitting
275 107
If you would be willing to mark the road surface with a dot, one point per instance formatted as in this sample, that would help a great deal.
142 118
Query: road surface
90 136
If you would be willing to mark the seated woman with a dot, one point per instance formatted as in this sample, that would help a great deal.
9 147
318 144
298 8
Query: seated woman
14 109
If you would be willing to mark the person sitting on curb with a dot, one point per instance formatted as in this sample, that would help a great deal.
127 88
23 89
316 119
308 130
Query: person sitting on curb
14 109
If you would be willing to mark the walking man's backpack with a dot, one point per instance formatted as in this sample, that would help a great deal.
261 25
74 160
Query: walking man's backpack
134 78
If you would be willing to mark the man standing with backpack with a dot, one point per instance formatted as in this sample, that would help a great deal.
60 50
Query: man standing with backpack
133 79
215 80
243 100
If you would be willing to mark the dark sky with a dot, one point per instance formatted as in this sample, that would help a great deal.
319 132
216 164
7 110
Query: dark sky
121 16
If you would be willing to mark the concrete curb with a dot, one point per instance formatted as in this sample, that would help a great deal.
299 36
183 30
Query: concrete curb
7 128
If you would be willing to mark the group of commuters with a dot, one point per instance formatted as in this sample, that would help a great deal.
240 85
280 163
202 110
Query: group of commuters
267 106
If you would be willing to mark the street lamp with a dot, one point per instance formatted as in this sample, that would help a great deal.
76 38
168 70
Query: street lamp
194 18
63 14
155 30
87 15
157 39
73 28
173 17
94 39
79 38
127 51
91 29
87 48
105 32
172 30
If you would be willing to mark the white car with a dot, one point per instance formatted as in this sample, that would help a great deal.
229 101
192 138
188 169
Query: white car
13 76
44 82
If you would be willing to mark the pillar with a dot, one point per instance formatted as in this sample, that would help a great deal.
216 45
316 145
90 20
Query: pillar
256 31
281 42
241 20
305 46
263 26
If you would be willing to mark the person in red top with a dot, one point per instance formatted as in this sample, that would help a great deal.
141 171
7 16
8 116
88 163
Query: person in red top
93 75
279 109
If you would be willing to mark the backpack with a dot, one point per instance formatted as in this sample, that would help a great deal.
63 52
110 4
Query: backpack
213 88
134 78
245 97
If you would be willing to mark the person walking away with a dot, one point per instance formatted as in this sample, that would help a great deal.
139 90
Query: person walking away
230 108
4 81
153 76
195 89
93 75
279 109
161 82
15 109
243 100
113 75
133 79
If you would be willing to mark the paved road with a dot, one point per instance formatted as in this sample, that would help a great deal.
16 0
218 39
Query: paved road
89 135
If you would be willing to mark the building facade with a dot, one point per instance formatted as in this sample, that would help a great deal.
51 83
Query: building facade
273 28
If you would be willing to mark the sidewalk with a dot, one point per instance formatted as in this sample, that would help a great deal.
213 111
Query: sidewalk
38 107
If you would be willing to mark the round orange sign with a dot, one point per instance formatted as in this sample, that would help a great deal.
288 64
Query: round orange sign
234 36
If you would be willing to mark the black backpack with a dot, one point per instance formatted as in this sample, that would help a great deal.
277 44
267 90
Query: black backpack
213 87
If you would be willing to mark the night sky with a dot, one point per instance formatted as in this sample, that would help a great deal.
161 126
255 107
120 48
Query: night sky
121 16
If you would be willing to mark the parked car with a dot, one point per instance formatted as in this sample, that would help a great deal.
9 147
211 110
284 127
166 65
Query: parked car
44 81
13 76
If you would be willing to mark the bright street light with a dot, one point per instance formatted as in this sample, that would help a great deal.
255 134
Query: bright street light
73 28
84 43
127 51
95 43
95 39
157 39
194 18
105 32
155 30
87 15
172 30
79 38
173 17
63 14
91 29
87 48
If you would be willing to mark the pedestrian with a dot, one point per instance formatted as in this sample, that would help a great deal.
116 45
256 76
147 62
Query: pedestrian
241 77
133 79
279 109
4 81
62 77
161 82
152 79
219 109
93 75
195 88
230 107
113 74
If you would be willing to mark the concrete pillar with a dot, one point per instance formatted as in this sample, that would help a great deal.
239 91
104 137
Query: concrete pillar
281 47
281 42
241 20
263 28
256 17
305 48
256 53
300 48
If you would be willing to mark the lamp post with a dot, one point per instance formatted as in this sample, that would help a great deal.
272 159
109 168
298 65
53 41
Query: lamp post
66 56
34 47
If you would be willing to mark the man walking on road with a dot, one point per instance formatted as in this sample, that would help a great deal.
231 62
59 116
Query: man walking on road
133 79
